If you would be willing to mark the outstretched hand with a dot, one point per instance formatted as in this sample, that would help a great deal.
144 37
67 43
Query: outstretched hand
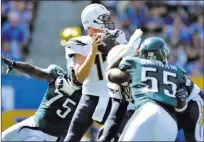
133 44
135 39
9 64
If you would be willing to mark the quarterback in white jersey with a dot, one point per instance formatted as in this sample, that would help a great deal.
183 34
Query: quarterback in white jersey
82 45
89 64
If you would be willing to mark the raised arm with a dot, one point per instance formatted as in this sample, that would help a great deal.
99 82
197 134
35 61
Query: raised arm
82 64
29 69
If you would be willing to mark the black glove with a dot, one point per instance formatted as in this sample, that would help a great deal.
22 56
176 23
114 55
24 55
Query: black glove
181 96
9 64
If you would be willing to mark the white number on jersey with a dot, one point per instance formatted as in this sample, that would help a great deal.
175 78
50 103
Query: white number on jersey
65 104
154 81
166 74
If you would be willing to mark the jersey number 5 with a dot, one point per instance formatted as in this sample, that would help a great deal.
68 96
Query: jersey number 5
154 81
59 112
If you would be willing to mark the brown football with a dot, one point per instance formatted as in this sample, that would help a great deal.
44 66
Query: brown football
108 44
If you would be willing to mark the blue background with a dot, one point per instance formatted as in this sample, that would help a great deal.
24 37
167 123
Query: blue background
28 91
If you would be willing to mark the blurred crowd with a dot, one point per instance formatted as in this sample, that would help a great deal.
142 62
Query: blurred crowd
17 19
180 23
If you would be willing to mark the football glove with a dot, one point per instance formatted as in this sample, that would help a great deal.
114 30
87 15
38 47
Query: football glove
9 64
181 96
135 39
133 44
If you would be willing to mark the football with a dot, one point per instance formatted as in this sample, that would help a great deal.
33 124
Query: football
108 44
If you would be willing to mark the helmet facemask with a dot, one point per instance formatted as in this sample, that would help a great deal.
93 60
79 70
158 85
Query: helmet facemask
160 55
106 21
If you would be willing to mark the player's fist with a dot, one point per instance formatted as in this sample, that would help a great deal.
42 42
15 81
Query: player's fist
96 41
8 61
9 64
181 96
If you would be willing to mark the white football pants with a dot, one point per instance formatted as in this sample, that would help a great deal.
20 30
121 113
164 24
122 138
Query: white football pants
150 123
26 134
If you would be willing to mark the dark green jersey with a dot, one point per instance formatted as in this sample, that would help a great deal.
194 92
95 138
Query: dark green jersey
151 80
57 108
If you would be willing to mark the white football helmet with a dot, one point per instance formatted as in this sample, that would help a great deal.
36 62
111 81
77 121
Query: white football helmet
96 16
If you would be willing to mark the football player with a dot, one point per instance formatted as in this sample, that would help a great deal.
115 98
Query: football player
191 120
53 117
154 86
89 65
121 110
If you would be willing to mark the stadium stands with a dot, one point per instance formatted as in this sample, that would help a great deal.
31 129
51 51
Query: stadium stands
179 23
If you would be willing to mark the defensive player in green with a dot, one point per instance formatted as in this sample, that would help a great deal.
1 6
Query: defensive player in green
53 117
154 84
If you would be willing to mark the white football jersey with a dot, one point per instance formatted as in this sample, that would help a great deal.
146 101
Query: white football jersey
95 84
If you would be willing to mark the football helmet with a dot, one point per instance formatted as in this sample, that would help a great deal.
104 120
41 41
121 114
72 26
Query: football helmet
154 48
96 16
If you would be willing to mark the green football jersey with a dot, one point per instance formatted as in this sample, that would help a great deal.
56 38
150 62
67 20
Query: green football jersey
56 110
151 80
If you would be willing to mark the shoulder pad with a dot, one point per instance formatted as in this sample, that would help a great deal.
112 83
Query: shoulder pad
118 33
55 70
81 41
182 74
76 45
114 33
76 41
182 70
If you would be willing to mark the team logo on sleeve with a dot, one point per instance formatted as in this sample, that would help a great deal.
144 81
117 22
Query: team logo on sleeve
78 42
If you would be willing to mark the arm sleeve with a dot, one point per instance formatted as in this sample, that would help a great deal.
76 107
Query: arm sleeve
125 64
72 47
